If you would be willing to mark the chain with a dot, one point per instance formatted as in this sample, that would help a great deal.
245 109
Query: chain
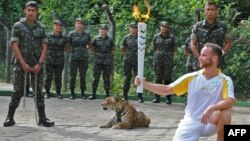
35 98
24 89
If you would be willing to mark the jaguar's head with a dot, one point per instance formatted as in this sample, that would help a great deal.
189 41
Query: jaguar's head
113 103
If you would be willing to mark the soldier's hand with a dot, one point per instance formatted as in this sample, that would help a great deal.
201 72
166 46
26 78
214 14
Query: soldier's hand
36 68
26 67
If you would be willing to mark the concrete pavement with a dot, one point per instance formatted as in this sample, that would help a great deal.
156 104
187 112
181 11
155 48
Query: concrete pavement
78 120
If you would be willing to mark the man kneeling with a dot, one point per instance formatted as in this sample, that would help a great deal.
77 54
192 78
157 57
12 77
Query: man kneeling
210 97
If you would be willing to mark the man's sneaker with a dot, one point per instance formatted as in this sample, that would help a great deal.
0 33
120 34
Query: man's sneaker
45 122
9 122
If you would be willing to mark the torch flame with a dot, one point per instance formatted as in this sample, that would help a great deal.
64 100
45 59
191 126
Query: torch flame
137 14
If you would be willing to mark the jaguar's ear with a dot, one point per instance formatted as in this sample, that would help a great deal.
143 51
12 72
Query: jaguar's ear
116 98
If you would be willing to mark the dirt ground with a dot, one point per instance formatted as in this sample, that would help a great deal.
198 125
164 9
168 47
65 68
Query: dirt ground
78 120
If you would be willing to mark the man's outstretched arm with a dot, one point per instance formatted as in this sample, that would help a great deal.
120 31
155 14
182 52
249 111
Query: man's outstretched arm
155 88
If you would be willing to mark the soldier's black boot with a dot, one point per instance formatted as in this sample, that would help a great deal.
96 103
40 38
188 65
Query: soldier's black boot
168 99
157 99
140 99
59 96
45 122
72 95
125 96
107 92
82 94
58 93
93 95
9 121
47 93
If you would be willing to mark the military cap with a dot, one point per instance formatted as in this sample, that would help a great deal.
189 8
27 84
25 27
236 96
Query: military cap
79 20
104 26
164 23
57 22
133 24
32 4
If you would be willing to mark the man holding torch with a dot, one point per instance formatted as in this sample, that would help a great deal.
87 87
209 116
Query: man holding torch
210 97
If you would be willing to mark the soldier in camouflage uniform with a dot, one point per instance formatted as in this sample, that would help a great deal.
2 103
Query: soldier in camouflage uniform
129 48
29 43
28 92
79 40
54 62
190 56
103 47
209 30
164 48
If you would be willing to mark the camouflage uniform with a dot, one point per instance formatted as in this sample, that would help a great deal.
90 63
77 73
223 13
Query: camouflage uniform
78 58
30 40
205 33
164 48
54 63
129 44
190 60
103 48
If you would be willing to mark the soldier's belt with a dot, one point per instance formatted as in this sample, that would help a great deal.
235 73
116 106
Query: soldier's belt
102 52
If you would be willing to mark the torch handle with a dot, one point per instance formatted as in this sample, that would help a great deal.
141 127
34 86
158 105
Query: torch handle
142 28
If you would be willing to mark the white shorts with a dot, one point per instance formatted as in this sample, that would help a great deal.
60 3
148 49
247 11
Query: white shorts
193 130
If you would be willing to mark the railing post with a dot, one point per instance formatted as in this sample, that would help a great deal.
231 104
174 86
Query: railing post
7 70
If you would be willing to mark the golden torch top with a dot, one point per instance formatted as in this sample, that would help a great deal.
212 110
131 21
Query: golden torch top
137 14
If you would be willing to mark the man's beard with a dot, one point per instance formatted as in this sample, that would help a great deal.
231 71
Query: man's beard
206 64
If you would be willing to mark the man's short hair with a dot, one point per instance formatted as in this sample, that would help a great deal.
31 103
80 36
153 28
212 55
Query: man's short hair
104 26
211 2
79 20
164 23
31 4
57 22
133 25
216 50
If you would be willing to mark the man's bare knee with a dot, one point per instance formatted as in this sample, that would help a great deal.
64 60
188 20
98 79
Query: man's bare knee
221 117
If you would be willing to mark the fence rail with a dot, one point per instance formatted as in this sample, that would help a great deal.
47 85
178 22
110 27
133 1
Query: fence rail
237 62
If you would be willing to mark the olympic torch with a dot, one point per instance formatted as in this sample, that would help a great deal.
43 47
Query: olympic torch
142 29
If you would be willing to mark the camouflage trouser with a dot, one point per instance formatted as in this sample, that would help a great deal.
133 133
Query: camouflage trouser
97 70
55 71
128 69
163 73
18 91
190 69
196 65
82 65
